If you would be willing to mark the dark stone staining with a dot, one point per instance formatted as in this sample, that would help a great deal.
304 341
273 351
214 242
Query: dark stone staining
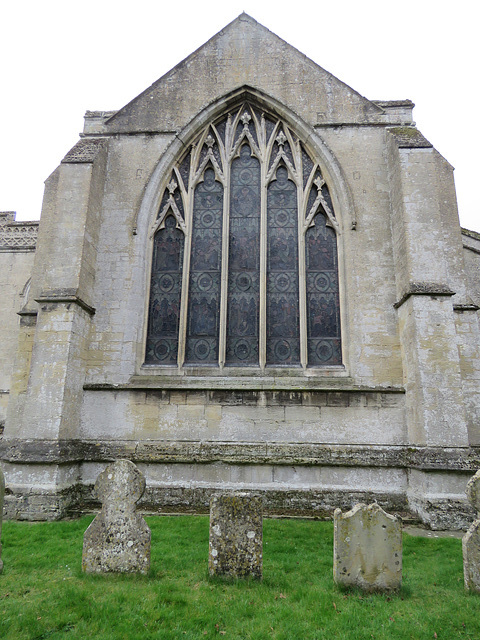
410 138
283 343
244 261
432 289
205 273
85 151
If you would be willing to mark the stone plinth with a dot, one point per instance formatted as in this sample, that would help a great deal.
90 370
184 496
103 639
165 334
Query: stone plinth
471 540
2 491
367 549
236 536
118 540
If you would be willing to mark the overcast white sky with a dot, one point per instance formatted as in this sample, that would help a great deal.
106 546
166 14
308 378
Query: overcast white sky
62 57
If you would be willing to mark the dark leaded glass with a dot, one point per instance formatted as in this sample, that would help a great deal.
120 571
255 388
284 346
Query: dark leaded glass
221 127
273 155
288 152
205 267
165 292
203 154
177 196
216 154
307 166
165 197
244 261
327 198
323 308
283 342
269 126
185 170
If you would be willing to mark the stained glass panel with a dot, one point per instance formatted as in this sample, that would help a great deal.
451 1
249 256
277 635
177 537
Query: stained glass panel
323 307
205 267
248 200
185 169
283 341
307 166
244 261
165 291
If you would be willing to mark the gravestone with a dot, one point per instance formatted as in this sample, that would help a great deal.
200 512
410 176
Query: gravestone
471 540
367 549
2 492
118 539
236 536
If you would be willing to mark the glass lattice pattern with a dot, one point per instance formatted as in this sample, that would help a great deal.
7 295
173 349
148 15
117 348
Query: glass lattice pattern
244 265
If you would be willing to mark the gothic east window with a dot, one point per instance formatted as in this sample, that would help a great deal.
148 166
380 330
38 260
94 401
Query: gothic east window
244 266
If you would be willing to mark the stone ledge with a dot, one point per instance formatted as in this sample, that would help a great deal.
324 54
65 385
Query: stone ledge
271 453
85 151
432 289
234 384
65 299
409 138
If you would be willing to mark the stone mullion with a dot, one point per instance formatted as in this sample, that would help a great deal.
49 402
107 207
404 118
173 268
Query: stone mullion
302 274
182 330
224 276
262 347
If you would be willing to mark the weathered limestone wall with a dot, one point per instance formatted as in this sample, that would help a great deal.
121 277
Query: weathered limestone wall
468 331
471 256
17 250
119 296
396 423
212 416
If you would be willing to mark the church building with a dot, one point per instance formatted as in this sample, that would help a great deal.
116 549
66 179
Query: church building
252 278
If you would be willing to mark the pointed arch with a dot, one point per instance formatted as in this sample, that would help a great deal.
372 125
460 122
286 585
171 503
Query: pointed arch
256 310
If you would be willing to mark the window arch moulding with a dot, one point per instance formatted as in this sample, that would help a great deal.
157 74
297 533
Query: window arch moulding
244 270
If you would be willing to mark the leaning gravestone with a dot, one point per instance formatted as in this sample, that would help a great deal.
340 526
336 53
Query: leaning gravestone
471 540
118 539
367 549
2 492
236 536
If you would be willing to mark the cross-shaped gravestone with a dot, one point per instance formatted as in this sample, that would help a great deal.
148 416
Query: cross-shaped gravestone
367 548
118 539
471 540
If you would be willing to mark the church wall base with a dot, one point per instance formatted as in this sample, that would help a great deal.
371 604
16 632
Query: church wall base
438 510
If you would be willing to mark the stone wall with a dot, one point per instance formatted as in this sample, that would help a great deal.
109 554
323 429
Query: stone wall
17 249
471 253
397 421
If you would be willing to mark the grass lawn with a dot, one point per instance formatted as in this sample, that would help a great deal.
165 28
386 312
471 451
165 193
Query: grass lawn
44 594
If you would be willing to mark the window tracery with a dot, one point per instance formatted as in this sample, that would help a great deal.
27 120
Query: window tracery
244 267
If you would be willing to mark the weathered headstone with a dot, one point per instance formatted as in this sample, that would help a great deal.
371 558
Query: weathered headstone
236 535
2 492
118 539
471 540
367 548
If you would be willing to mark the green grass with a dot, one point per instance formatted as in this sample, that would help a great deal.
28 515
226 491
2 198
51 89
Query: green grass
44 594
